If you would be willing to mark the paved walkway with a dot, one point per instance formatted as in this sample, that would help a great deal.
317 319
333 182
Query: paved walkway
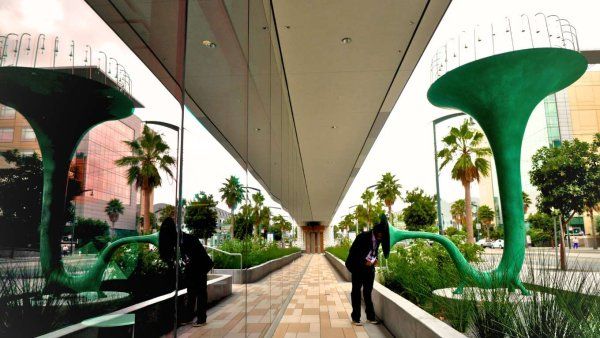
261 301
320 306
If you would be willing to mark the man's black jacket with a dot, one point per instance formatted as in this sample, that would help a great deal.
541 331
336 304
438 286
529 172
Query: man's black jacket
358 252
197 261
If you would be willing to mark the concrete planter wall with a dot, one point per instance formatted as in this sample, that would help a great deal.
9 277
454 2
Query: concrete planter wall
218 287
401 317
258 272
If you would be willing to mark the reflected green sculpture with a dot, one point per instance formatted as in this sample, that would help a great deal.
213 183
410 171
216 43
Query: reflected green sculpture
500 93
61 108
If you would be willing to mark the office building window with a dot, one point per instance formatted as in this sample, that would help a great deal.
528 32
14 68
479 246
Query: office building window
27 134
7 113
6 134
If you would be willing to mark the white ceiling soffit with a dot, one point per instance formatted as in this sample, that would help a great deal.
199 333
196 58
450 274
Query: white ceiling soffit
340 94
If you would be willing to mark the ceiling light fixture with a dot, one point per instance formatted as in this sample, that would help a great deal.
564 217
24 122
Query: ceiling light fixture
209 44
333 127
346 41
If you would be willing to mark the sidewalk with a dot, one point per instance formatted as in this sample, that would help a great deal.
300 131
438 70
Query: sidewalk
251 308
321 307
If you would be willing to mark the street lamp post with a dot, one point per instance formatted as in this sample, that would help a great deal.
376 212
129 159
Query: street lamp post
4 46
437 174
105 65
19 47
37 46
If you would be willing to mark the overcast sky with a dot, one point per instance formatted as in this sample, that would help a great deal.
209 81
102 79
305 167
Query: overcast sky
404 146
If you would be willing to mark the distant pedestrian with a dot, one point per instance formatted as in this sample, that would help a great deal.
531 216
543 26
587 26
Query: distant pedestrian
196 264
361 262
575 243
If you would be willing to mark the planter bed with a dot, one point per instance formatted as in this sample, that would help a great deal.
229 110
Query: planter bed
258 272
401 317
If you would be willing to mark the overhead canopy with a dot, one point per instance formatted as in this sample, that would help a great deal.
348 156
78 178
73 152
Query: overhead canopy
296 91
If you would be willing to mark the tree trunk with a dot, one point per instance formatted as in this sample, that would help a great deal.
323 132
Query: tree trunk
563 258
390 212
232 223
487 230
146 207
594 243
468 213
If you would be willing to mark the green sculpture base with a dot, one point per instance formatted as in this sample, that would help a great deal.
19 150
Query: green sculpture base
500 93
61 108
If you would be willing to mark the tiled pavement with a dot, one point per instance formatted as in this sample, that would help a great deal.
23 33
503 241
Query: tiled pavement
320 306
261 300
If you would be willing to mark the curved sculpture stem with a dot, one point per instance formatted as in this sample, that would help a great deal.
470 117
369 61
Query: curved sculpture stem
58 278
467 273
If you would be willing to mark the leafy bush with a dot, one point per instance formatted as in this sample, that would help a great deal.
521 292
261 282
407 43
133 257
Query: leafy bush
415 271
254 252
450 231
340 251
91 231
539 237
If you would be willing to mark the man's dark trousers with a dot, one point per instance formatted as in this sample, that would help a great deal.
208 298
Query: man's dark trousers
197 297
362 279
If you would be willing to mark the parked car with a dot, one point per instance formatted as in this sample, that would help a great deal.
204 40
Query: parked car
484 243
498 244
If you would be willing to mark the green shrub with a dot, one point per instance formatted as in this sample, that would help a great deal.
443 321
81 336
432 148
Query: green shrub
450 231
91 234
539 237
415 271
254 252
341 250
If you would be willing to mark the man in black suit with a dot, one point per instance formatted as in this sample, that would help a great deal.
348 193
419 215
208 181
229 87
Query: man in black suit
361 262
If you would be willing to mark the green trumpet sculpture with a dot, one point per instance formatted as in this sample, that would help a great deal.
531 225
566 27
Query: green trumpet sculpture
61 108
500 93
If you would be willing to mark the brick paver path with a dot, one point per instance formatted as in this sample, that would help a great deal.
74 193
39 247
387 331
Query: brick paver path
261 300
320 306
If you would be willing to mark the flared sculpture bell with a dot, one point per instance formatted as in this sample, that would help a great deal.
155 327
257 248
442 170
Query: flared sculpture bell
61 108
500 93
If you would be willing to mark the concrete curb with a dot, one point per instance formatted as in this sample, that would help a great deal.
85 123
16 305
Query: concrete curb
258 272
401 317
218 287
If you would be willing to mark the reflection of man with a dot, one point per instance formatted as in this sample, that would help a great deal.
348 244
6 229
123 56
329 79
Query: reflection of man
361 262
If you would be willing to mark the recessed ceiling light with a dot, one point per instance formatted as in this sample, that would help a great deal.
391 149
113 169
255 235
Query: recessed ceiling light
333 127
346 41
257 129
209 44
287 27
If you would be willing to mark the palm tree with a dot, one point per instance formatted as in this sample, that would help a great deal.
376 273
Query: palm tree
457 210
259 213
485 215
113 209
463 146
367 198
150 155
526 202
232 193
388 190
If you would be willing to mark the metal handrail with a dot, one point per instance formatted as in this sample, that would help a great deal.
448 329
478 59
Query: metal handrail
227 253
